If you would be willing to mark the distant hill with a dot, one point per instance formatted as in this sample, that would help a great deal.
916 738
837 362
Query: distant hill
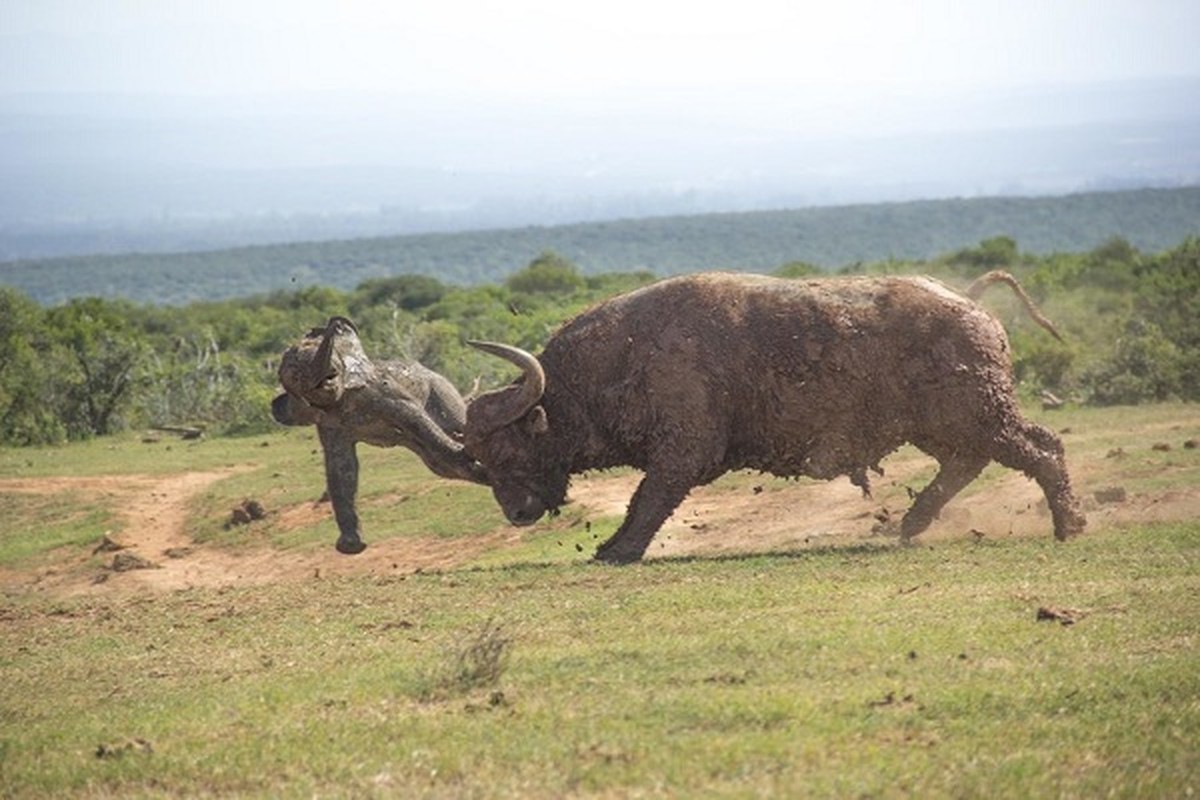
1150 219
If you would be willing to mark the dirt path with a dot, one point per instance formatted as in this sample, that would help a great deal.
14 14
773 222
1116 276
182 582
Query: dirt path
154 552
770 514
153 510
747 515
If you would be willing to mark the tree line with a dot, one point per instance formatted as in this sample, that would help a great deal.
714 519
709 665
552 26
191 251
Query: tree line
91 366
831 237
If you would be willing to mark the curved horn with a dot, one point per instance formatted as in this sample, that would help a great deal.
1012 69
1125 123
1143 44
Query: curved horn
344 320
322 362
527 395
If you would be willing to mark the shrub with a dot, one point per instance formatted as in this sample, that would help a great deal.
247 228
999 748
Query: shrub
478 664
549 273
1145 365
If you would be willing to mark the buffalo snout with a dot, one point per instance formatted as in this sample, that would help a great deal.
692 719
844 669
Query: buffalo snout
281 410
288 410
520 506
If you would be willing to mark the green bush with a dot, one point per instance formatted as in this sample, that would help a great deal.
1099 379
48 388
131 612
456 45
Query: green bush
549 273
1043 362
1144 366
92 366
407 292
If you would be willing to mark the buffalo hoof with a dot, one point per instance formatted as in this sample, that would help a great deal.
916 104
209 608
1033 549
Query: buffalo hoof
350 547
1071 528
616 558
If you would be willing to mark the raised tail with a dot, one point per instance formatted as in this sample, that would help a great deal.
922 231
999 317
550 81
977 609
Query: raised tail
980 284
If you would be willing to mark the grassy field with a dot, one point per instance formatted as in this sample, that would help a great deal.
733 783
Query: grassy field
852 669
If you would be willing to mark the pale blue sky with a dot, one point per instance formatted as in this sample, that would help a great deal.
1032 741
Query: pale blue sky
536 48
468 113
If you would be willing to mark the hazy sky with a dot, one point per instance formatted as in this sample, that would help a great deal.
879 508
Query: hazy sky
535 48
131 109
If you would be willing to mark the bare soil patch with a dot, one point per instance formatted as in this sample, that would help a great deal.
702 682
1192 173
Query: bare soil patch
154 553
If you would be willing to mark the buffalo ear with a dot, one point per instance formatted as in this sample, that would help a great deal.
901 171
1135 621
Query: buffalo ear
536 422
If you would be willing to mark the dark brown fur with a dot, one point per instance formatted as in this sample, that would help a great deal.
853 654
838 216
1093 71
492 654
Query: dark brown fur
695 376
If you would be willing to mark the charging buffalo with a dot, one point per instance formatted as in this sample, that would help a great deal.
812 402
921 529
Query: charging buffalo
694 376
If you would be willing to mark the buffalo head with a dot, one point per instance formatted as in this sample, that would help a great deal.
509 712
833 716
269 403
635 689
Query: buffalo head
317 372
508 432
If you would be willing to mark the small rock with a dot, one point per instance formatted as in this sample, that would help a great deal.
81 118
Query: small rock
247 512
1116 452
125 561
107 545
1067 616
1161 447
1191 444
1113 494
136 745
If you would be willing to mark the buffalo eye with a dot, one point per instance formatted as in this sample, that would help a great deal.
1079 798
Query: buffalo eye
536 422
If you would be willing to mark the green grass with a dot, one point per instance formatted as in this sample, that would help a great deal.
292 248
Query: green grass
398 497
38 525
127 453
855 670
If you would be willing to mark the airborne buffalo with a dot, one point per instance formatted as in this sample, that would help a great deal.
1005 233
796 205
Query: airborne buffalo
694 376
330 382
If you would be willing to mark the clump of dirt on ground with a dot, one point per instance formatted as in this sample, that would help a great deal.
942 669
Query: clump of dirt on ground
125 560
249 511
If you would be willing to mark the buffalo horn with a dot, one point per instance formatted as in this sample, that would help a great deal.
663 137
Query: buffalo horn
323 362
530 391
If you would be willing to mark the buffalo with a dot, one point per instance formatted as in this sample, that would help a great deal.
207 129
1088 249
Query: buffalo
330 382
694 376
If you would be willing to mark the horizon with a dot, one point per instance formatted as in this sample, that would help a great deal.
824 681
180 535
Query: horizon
478 115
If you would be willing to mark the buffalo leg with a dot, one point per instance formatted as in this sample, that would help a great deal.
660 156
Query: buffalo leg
1038 453
954 474
653 502
341 479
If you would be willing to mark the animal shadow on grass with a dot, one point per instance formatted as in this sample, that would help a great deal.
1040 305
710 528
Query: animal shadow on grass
819 553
